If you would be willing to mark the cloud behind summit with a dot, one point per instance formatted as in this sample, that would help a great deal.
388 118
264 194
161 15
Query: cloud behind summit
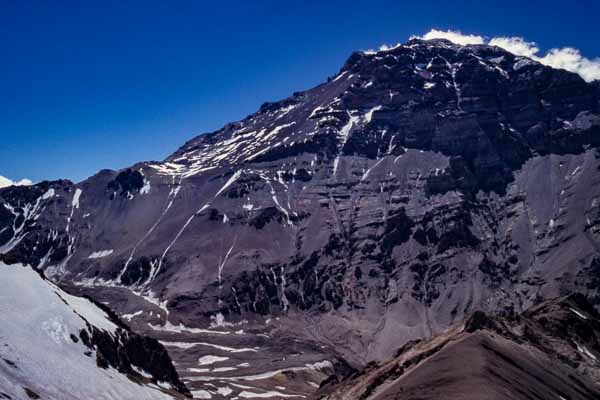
567 58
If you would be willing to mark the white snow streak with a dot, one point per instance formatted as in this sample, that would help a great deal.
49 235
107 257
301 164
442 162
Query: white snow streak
154 272
188 345
101 254
76 196
208 360
265 375
344 134
170 199
580 315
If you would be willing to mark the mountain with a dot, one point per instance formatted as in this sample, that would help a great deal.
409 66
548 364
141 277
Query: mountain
548 352
417 185
57 346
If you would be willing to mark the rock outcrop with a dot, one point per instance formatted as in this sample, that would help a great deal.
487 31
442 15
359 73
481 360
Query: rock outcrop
549 351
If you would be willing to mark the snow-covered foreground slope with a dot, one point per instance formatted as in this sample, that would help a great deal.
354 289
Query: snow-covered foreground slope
40 350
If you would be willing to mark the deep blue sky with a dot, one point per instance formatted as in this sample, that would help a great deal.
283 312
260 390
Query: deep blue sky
85 87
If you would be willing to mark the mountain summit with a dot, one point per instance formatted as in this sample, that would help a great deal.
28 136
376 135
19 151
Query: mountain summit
417 185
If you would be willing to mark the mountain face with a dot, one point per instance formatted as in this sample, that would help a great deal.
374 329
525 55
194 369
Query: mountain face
513 357
328 229
57 346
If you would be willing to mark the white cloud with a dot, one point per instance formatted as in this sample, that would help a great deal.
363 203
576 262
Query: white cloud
571 59
454 36
4 182
385 47
24 182
515 45
567 58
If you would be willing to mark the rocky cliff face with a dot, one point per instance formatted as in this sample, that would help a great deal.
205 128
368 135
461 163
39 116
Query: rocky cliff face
417 185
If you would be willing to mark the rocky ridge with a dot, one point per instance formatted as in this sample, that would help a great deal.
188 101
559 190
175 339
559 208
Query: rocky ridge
549 351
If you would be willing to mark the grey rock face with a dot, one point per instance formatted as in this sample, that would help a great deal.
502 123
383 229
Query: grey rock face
415 186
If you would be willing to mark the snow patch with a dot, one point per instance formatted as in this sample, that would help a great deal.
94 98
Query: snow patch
208 360
265 395
201 394
369 114
131 316
224 391
49 193
101 254
169 327
188 345
146 188
266 375
76 196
